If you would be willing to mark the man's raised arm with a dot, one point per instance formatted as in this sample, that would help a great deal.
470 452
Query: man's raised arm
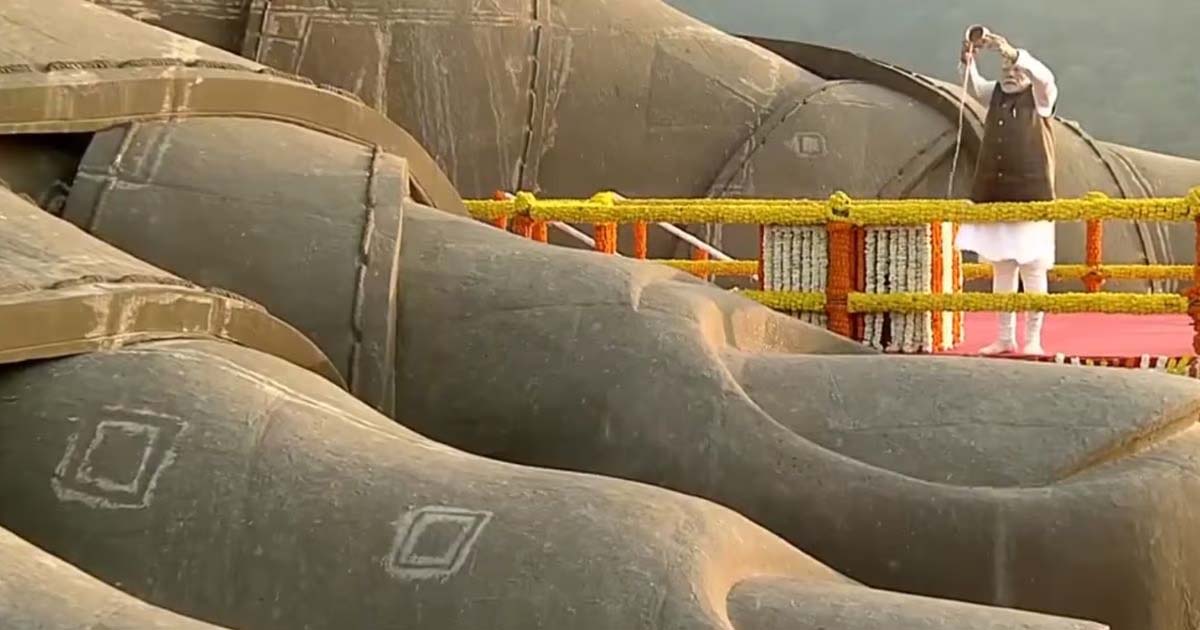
1045 88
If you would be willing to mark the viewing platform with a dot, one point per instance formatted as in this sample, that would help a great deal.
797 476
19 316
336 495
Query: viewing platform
886 272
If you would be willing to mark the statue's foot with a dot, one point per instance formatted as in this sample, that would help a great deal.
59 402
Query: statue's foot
1000 346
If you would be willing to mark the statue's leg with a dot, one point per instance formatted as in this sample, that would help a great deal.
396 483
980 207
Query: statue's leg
39 591
772 604
561 358
570 359
247 488
235 487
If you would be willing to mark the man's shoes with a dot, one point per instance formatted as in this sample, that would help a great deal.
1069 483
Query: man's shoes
1000 346
1006 338
1033 334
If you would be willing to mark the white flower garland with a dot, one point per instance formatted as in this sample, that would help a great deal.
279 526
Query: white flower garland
877 277
922 238
897 260
796 259
947 284
896 265
875 251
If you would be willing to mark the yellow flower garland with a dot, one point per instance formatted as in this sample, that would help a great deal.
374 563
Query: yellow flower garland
988 302
977 271
609 207
490 209
788 300
840 210
713 267
979 302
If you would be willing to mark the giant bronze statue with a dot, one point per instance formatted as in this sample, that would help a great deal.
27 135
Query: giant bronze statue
168 439
567 97
180 442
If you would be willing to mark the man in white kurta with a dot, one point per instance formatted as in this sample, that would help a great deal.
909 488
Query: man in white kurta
1016 163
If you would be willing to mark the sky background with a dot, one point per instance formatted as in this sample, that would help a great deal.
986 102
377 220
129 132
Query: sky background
1127 71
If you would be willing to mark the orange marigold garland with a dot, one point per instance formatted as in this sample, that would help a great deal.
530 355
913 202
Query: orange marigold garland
606 237
1193 295
522 226
935 255
859 234
841 255
700 254
1093 281
762 270
640 240
605 232
540 232
502 221
956 280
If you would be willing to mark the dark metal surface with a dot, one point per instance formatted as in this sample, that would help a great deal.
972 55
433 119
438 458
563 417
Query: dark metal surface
1014 484
834 64
63 292
40 592
222 482
232 486
59 78
508 95
228 485
300 220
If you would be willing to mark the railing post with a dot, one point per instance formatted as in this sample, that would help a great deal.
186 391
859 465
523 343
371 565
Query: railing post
523 226
1192 199
606 237
605 232
956 284
859 275
540 231
762 257
936 273
1094 280
522 207
1094 248
501 222
701 255
640 240
841 266
1194 292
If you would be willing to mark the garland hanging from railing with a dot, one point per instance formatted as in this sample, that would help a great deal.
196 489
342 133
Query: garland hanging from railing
884 271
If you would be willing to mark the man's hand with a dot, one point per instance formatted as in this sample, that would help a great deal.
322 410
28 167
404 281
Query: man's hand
1008 52
967 54
1000 44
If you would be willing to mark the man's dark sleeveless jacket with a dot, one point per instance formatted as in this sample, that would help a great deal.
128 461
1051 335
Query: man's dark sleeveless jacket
1016 161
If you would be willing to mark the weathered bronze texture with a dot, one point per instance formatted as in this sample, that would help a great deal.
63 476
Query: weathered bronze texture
63 292
229 485
39 591
218 481
569 97
302 220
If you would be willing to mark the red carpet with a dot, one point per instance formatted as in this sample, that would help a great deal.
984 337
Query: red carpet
1092 334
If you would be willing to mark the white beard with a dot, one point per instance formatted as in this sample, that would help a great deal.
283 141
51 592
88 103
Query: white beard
1013 88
